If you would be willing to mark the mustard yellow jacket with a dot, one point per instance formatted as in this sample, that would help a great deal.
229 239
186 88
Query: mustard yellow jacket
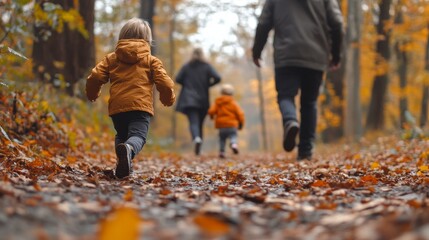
132 72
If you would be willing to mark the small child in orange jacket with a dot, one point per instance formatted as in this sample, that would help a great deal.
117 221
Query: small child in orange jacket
132 71
228 118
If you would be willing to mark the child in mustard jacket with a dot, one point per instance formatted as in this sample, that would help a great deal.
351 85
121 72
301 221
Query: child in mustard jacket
132 71
228 118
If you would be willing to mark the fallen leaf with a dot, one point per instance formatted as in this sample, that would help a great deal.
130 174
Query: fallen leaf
37 187
424 168
369 179
128 196
375 165
123 223
211 225
320 183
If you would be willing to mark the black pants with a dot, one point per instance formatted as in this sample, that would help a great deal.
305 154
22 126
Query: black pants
131 128
196 118
289 80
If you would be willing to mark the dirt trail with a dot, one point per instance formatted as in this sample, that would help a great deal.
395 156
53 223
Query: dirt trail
380 192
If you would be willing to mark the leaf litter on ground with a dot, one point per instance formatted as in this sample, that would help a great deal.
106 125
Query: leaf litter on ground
52 188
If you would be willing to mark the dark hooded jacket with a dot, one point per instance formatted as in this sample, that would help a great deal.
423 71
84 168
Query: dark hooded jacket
196 77
308 33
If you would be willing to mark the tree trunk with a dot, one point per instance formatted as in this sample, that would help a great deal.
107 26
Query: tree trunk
402 72
401 56
172 63
425 98
262 110
147 12
353 126
65 57
375 118
335 80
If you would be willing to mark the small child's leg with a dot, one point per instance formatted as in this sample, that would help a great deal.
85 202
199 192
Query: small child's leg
121 128
222 142
137 131
233 140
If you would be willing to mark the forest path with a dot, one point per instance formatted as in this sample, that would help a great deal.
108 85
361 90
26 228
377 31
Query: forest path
380 192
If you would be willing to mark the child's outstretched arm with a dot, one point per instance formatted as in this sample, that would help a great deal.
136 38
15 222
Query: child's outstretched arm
212 111
99 76
163 83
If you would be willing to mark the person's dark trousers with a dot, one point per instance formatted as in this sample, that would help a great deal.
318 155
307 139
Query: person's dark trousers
224 134
196 118
289 80
131 128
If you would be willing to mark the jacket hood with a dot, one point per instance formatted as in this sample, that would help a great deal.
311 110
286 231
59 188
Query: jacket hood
223 99
131 50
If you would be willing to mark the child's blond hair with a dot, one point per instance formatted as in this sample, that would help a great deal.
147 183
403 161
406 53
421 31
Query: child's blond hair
136 28
227 89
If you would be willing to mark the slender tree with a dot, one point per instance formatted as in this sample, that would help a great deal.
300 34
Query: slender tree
334 102
172 44
402 61
425 98
147 12
353 126
375 117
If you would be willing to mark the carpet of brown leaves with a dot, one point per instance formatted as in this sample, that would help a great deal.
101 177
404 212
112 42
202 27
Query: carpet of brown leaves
55 187
381 193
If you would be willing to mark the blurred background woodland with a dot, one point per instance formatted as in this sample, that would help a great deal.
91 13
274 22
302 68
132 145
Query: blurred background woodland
47 48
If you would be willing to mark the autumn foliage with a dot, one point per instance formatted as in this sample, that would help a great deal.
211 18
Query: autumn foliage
57 157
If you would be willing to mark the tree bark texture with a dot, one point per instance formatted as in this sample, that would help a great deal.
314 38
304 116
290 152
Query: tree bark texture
425 98
147 13
402 72
65 55
336 81
375 117
172 44
402 61
353 125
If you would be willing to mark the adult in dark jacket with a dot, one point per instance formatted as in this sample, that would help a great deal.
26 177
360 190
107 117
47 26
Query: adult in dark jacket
307 40
196 77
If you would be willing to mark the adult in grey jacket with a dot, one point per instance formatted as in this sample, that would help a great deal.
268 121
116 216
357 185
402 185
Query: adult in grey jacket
196 77
307 40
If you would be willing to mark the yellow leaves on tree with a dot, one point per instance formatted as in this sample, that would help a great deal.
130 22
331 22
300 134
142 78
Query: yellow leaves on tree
121 224
54 16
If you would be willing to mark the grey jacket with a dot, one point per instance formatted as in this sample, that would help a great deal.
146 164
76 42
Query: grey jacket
308 33
196 77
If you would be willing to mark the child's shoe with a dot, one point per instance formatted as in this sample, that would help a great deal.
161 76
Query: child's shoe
198 141
221 155
123 166
234 148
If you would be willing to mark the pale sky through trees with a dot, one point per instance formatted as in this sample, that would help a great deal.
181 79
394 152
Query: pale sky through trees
220 25
215 29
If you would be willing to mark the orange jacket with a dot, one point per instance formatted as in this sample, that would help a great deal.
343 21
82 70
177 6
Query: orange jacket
132 72
227 113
